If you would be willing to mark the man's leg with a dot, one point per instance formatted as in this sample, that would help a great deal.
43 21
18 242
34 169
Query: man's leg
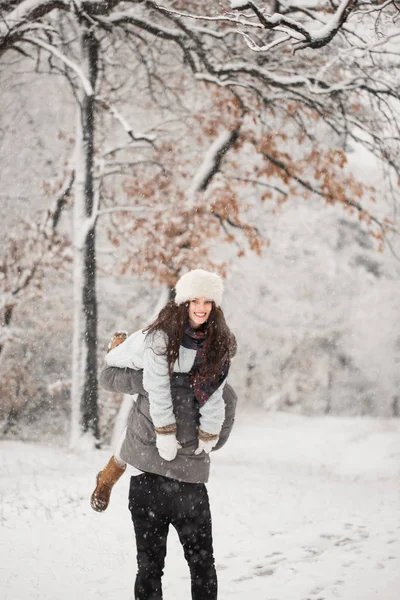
151 530
192 520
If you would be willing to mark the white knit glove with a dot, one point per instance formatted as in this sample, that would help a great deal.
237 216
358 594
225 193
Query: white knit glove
167 445
207 446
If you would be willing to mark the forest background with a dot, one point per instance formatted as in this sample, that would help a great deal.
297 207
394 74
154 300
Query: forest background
140 140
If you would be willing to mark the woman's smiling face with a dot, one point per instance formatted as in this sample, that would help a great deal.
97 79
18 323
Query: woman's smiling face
199 311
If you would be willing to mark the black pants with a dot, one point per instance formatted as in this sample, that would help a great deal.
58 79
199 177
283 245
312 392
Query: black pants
156 502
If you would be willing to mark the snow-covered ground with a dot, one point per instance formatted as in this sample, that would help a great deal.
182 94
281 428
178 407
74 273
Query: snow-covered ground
303 508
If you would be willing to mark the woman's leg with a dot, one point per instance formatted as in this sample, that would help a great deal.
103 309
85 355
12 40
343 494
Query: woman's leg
192 520
107 478
151 530
105 481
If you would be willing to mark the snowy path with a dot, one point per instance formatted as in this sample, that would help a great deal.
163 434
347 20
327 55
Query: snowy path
304 509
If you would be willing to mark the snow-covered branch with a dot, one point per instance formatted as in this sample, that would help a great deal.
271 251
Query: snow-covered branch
131 18
312 38
374 9
55 211
253 46
14 24
135 137
221 19
211 163
301 34
69 63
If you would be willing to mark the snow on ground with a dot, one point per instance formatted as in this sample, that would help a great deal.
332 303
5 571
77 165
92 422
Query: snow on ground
303 508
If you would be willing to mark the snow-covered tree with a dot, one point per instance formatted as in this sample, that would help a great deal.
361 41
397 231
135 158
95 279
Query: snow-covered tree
226 78
28 252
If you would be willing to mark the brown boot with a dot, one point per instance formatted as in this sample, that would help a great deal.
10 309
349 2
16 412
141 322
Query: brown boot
104 483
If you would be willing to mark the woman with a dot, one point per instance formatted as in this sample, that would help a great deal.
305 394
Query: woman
184 357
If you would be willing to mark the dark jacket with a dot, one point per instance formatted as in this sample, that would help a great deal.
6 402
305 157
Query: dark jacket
139 447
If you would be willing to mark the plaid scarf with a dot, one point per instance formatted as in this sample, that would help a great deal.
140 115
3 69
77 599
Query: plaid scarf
202 379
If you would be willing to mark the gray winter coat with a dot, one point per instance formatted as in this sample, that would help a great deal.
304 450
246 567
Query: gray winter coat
139 447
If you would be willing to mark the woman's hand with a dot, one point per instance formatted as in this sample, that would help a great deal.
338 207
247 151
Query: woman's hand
167 445
205 446
207 441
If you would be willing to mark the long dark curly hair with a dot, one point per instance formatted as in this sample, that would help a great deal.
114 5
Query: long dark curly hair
219 340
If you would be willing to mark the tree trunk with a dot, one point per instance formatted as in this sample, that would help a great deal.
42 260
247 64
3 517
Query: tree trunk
84 361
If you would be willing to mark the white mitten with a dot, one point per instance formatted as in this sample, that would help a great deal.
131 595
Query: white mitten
167 445
206 445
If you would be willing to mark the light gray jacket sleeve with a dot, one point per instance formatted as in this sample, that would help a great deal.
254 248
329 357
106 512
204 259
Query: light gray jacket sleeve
212 413
156 380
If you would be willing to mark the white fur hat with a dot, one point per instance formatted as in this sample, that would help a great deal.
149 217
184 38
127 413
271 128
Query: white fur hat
199 283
